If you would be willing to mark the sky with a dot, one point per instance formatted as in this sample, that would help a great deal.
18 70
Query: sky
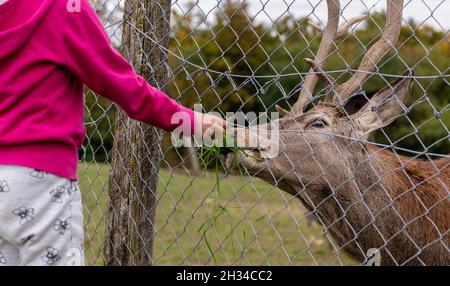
431 12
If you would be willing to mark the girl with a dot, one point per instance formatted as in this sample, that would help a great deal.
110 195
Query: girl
47 53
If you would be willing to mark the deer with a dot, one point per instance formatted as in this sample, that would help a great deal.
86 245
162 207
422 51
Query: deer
365 196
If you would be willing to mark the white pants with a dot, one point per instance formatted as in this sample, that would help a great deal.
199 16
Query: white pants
41 219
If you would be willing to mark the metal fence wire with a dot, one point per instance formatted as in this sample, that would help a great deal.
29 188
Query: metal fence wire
362 174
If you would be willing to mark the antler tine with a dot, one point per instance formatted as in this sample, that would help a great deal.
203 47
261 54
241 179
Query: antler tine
330 83
343 29
376 53
326 44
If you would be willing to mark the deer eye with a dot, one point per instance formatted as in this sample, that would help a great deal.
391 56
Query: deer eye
319 123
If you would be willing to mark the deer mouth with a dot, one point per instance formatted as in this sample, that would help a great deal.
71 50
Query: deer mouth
252 159
252 151
246 160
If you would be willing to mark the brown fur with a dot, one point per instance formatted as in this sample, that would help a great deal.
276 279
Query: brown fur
411 209
422 200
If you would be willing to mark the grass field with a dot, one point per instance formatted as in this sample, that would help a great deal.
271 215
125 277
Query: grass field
260 225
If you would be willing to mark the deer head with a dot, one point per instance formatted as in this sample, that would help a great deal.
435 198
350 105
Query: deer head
355 190
321 149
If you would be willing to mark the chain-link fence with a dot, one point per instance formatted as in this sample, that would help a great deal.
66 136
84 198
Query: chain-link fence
362 173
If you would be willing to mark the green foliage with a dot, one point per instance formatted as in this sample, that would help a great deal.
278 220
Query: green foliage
99 118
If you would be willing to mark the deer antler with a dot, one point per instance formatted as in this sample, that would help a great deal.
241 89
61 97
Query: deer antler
376 53
329 35
330 83
344 29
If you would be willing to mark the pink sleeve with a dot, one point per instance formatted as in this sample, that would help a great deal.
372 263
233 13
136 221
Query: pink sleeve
88 53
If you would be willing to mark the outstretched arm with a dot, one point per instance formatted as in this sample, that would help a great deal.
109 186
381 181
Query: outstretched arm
87 52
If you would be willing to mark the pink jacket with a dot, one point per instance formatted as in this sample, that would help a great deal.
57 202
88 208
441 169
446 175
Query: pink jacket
46 55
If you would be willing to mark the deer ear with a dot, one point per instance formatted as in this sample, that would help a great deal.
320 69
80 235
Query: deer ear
385 106
283 112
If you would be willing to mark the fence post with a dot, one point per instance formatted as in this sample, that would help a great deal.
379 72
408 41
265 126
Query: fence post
133 182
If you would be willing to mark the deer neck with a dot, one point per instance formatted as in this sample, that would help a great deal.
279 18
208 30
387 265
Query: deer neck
358 193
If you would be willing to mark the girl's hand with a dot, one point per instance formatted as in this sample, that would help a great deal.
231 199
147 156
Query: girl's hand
206 123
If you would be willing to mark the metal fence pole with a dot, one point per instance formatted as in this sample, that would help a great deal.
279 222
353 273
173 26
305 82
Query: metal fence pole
137 153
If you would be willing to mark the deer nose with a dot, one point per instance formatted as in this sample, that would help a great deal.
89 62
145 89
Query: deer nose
247 158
